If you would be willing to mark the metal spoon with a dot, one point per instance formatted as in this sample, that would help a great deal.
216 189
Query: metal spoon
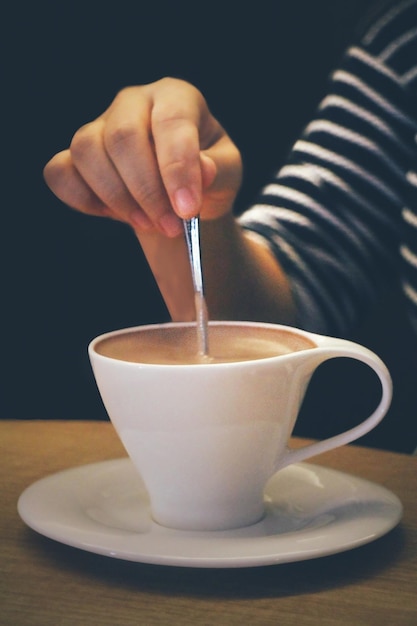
192 236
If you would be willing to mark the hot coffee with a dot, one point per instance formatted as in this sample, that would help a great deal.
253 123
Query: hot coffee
178 345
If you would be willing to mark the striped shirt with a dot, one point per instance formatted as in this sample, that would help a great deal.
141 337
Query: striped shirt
341 214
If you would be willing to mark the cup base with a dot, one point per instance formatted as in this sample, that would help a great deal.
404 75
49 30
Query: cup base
210 522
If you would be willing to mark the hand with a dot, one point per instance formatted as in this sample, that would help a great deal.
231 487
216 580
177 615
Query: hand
156 155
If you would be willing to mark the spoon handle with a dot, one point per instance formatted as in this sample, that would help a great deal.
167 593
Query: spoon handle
192 236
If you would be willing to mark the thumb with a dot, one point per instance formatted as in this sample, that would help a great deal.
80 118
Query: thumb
208 170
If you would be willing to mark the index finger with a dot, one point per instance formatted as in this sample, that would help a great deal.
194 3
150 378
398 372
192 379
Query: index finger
182 127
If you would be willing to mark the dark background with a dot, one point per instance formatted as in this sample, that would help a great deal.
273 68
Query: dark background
65 277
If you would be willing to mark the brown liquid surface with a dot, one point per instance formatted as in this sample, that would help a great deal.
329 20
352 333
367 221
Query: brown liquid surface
179 346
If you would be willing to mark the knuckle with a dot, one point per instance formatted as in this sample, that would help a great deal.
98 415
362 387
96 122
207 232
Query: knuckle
152 198
175 167
120 137
55 168
83 142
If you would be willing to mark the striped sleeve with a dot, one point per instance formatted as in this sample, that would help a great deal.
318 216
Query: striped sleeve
340 215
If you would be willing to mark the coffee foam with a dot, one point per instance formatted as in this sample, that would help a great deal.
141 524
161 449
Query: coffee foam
176 345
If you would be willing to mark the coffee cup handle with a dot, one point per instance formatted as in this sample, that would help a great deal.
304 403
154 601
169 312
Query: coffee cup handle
329 348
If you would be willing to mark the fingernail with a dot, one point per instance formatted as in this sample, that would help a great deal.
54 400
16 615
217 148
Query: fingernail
170 224
140 220
185 203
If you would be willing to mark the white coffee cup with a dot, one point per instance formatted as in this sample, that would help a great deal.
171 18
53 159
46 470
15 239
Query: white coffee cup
206 437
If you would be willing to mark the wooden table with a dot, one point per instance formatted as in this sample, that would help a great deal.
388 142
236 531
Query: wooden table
44 583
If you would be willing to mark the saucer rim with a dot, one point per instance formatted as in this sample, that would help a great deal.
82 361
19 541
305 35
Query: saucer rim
36 503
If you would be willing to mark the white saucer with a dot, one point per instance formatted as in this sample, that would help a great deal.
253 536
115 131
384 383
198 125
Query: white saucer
312 511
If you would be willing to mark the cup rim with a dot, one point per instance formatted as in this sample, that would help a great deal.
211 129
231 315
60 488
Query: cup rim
253 324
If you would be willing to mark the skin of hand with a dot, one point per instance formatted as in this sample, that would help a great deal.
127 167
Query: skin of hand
157 156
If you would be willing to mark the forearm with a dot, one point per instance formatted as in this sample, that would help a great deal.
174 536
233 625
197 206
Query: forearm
169 263
242 279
